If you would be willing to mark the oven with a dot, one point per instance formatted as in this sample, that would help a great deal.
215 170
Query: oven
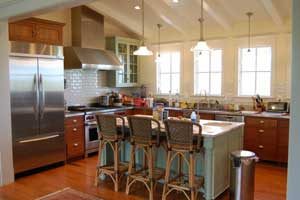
91 134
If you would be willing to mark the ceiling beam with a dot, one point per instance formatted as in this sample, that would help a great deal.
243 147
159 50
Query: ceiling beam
211 10
168 16
272 11
133 25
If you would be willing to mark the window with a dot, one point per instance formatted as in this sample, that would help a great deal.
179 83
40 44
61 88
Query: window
208 72
255 69
168 73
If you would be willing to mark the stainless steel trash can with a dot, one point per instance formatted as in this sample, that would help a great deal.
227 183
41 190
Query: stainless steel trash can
242 175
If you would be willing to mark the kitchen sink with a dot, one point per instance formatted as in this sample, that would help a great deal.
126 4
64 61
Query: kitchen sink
221 124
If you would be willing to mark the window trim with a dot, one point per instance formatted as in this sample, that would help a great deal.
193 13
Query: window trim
209 72
158 73
240 71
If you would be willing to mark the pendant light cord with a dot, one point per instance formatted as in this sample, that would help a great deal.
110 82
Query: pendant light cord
201 20
143 23
159 26
249 14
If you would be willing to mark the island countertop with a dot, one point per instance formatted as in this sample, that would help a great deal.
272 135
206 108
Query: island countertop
210 128
213 128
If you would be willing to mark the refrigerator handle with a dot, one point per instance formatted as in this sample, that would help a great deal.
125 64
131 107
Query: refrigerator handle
39 139
42 91
36 91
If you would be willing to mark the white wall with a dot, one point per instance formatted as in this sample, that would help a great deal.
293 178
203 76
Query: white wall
111 28
281 64
294 145
6 163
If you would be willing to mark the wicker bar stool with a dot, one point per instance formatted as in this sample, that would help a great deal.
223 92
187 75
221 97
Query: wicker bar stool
181 140
112 135
144 136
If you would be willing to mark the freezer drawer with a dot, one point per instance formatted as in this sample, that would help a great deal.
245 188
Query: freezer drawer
39 151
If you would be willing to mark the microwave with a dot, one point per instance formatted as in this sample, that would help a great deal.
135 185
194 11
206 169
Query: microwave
279 107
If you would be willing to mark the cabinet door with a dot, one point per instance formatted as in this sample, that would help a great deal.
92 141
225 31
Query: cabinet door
49 34
22 31
266 146
133 63
207 116
74 136
250 139
122 75
175 113
283 140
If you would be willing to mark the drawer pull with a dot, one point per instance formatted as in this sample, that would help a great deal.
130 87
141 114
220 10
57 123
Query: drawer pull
261 146
74 121
75 144
261 131
74 129
262 121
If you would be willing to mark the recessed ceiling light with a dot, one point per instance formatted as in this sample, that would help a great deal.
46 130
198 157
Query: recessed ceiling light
175 1
137 7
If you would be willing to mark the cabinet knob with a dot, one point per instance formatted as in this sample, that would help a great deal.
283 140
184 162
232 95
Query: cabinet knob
261 146
75 144
74 120
74 129
262 121
261 131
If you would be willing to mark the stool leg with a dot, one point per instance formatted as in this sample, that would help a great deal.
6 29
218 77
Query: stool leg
192 176
116 165
150 169
98 164
131 163
167 175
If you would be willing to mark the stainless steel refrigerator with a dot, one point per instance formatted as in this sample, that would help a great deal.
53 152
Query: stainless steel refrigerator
37 105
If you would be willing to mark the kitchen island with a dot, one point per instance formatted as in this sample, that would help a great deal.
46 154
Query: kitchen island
213 163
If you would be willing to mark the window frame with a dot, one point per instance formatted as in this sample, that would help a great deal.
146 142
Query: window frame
208 93
159 73
256 71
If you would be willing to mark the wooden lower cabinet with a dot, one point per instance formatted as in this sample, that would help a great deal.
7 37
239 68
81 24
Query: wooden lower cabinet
74 136
283 140
142 111
267 137
175 113
207 116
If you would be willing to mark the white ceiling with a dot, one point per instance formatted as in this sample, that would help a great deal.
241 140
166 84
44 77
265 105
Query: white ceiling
182 17
4 3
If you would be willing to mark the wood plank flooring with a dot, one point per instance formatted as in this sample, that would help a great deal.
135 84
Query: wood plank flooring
270 184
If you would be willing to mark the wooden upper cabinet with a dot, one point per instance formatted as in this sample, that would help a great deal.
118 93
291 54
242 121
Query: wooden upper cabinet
22 31
37 31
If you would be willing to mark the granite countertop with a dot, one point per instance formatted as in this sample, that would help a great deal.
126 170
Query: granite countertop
73 114
216 112
116 109
212 128
239 113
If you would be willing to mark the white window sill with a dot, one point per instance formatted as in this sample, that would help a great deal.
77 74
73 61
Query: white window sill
211 96
247 97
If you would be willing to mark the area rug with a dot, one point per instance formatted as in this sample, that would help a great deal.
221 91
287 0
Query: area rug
68 194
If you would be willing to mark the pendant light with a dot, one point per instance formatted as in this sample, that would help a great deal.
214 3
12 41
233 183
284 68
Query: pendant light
143 50
201 44
158 59
249 14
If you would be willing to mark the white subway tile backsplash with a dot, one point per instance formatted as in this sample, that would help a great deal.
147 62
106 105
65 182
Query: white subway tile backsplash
84 86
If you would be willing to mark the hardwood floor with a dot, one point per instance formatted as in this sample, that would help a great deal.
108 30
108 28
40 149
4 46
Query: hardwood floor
270 183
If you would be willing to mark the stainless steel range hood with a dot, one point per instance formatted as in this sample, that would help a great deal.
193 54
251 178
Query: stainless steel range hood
87 50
